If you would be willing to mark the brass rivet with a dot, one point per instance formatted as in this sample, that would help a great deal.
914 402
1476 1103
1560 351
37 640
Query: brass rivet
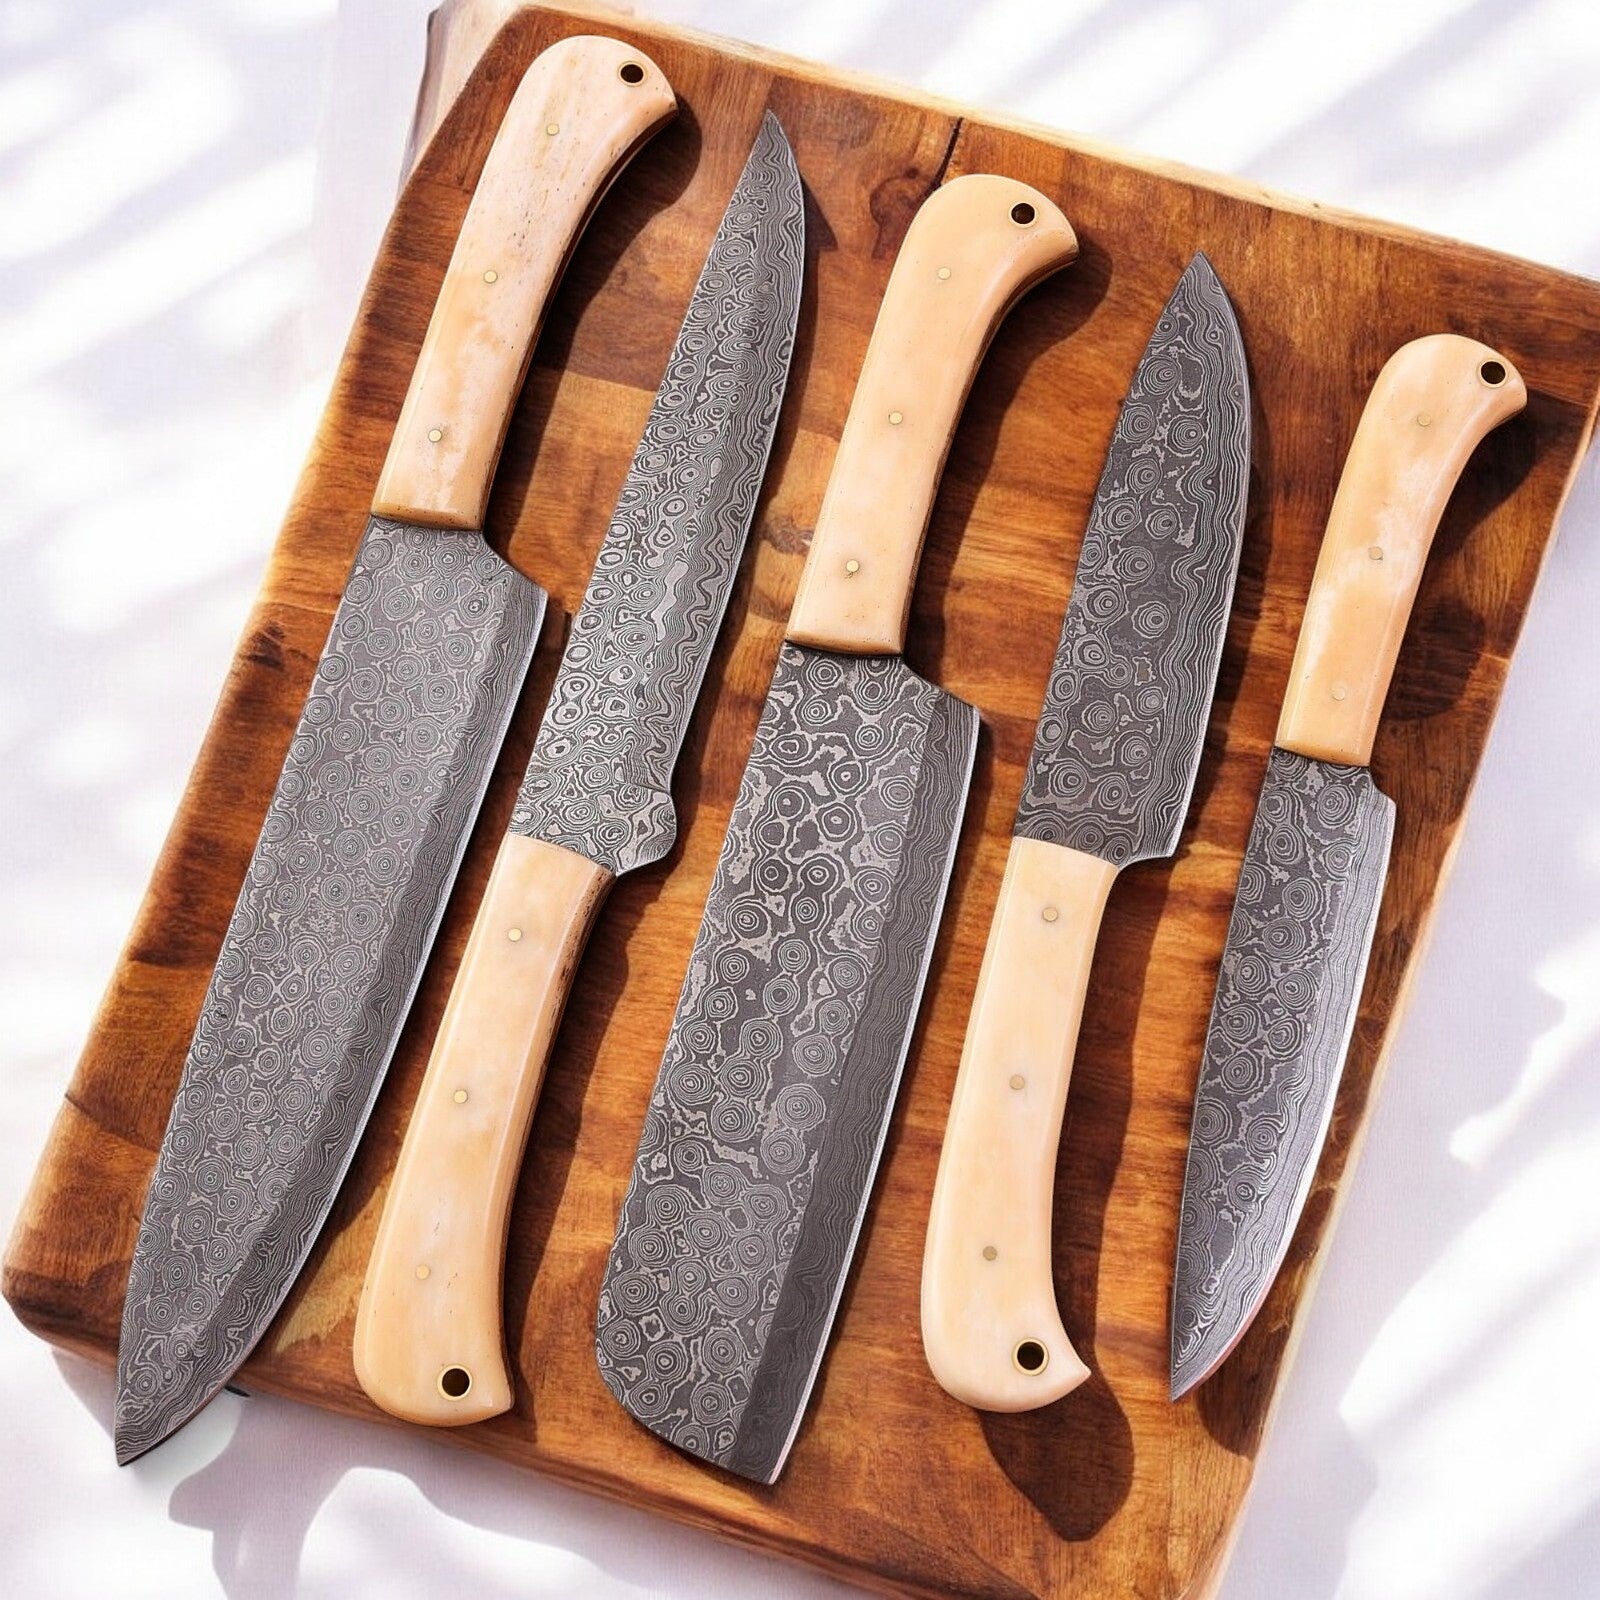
491 276
1423 419
1017 1080
552 128
1375 551
422 1272
896 418
435 435
852 567
944 273
460 1097
514 935
989 1252
1050 913
1339 691
1030 1357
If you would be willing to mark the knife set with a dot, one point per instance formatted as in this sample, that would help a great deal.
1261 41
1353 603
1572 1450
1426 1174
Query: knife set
768 1118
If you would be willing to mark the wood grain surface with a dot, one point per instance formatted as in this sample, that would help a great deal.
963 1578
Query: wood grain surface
1110 1491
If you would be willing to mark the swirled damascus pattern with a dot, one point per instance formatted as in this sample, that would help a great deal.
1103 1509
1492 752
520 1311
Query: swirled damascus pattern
1286 999
428 649
1124 718
768 1116
599 780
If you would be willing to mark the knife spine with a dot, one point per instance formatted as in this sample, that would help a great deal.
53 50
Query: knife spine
974 246
583 108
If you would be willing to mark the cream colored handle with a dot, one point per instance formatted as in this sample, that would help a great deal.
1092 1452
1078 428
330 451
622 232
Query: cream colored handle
974 247
990 1326
430 1342
580 112
1433 402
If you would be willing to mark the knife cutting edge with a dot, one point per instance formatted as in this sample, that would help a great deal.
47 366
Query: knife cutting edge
426 654
595 803
1314 867
768 1116
1108 784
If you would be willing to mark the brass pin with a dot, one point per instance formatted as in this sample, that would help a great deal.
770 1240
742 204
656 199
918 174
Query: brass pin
422 1272
989 1252
491 276
435 435
852 568
514 934
1423 419
944 273
896 418
1375 551
1339 691
552 128
1017 1080
460 1097
1049 913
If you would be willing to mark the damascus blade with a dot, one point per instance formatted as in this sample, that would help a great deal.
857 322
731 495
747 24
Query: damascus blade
1114 758
595 803
1280 1026
772 1103
1309 890
362 839
1124 718
769 1114
388 765
599 779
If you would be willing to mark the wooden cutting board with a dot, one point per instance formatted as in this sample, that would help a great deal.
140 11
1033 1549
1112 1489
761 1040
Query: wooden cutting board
1112 1491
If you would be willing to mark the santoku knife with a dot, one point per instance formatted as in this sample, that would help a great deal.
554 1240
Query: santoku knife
1108 784
773 1099
384 775
595 803
1313 872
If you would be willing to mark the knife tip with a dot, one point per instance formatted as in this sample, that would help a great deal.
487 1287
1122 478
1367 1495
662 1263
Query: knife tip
130 1441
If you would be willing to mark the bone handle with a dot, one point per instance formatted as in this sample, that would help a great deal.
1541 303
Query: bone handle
430 1345
974 247
990 1326
580 112
1433 402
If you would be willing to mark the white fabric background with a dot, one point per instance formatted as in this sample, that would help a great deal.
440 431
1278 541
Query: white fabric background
190 192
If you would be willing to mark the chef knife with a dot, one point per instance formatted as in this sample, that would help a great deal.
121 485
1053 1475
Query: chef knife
1108 784
595 803
773 1098
408 705
1314 866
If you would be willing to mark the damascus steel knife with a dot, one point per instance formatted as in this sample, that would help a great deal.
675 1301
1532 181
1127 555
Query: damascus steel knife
769 1113
384 775
1314 866
595 803
1108 784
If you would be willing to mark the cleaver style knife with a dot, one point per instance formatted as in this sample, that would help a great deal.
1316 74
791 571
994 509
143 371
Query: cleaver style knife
769 1113
1108 785
1314 866
384 775
596 802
